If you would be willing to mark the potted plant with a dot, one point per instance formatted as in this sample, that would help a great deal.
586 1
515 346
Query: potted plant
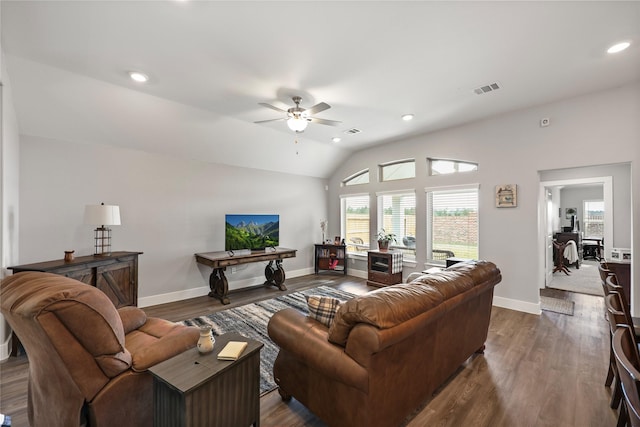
384 240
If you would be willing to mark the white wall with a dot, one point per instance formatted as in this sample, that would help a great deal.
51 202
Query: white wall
9 218
170 209
600 128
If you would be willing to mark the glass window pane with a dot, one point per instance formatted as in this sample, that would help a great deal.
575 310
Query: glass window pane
443 167
467 167
398 216
400 170
355 223
359 178
452 225
593 218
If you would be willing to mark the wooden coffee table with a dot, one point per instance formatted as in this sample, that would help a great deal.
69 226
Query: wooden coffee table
192 389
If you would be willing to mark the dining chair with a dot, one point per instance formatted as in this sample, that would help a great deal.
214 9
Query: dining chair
604 273
625 350
616 318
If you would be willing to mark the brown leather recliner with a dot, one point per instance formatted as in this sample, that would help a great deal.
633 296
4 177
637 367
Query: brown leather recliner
88 360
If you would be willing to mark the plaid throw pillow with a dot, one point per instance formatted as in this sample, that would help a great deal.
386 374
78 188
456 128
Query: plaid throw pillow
323 309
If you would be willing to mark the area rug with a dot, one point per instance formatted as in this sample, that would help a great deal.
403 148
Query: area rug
557 305
251 321
585 280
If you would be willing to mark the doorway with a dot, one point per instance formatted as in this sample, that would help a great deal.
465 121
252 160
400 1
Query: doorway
563 214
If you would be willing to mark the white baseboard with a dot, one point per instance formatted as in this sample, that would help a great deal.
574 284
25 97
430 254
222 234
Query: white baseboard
514 304
204 290
357 273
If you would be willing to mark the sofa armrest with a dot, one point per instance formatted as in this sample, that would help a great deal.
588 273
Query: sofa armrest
306 339
132 318
159 340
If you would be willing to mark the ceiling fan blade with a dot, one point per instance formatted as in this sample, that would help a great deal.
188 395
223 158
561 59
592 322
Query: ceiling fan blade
264 104
270 120
318 107
325 122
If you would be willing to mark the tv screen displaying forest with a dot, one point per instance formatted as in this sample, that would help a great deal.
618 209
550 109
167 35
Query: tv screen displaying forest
251 231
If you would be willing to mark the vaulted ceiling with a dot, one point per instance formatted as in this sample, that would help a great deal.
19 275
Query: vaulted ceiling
211 62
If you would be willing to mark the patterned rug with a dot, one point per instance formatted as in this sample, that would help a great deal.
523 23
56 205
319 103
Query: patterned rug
251 321
556 305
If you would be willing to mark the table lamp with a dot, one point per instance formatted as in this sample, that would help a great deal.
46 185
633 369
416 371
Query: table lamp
102 215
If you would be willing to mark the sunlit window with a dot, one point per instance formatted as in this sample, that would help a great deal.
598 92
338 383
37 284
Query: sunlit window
443 167
361 177
402 169
354 219
593 220
397 215
452 224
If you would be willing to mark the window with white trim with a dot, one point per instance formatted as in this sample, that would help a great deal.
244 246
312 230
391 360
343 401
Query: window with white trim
593 221
452 223
443 167
401 169
354 218
361 177
397 215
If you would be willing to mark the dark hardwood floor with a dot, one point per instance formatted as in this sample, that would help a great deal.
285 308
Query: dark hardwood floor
546 370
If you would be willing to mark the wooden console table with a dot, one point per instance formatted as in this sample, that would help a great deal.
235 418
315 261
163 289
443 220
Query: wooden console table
219 261
193 389
116 274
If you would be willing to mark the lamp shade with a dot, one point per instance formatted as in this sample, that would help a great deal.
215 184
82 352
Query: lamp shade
102 215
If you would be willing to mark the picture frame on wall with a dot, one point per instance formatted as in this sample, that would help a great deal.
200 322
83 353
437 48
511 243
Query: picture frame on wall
569 212
506 196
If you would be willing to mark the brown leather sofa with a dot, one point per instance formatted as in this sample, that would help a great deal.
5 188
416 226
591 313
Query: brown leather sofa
88 360
386 351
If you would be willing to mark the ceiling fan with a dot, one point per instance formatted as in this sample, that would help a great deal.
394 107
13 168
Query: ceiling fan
298 118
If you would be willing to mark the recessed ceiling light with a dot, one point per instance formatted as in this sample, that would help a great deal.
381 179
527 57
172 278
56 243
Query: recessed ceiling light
138 76
407 117
336 139
618 47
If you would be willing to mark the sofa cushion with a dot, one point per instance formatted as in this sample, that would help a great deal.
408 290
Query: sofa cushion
383 308
322 308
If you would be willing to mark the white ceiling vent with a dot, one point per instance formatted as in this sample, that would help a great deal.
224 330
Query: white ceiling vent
352 131
487 88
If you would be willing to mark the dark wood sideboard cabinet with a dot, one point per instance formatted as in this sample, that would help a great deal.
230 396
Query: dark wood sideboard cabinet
116 274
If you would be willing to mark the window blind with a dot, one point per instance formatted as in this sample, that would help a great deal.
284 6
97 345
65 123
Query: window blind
452 224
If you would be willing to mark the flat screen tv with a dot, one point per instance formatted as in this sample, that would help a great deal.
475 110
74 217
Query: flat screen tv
251 231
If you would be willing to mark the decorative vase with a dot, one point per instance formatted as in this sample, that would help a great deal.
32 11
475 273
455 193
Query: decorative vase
206 340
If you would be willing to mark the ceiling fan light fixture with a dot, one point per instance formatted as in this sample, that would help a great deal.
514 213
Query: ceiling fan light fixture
297 124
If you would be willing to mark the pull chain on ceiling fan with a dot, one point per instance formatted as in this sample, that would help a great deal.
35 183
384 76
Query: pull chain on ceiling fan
298 118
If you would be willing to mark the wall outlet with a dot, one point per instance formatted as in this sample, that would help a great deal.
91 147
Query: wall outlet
233 269
544 122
